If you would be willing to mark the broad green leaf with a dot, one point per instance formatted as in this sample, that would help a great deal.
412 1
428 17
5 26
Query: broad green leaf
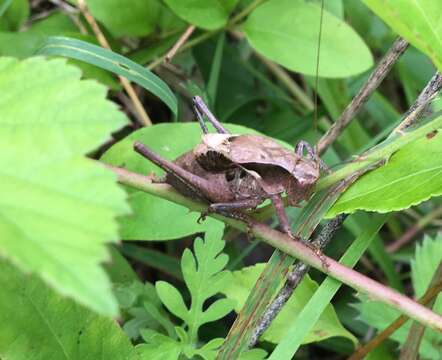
13 14
427 258
106 59
38 324
412 175
327 326
128 18
57 208
150 219
286 31
418 21
207 14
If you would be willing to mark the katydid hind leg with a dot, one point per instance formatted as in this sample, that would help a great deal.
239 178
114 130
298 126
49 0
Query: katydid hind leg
194 183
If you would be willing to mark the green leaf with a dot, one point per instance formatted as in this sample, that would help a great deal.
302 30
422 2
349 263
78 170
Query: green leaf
412 175
57 209
106 59
38 324
4 5
204 276
327 326
133 18
206 14
418 21
151 216
286 31
24 44
172 299
13 14
158 347
427 258
142 309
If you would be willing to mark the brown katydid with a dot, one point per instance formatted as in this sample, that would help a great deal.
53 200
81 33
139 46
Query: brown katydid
238 172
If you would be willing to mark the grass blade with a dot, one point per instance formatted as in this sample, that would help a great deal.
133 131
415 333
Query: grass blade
4 6
154 259
108 60
322 297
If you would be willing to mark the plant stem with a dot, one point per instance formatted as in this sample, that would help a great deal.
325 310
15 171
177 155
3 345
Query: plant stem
141 114
429 295
208 34
410 350
382 151
183 38
413 230
297 249
420 105
294 278
376 77
287 81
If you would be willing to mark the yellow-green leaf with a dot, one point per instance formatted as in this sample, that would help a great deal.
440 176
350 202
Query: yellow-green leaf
57 208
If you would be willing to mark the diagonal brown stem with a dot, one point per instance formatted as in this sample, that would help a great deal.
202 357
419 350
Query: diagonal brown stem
376 77
296 249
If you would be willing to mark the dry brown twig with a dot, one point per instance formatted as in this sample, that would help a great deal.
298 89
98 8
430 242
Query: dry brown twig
142 116
183 38
376 77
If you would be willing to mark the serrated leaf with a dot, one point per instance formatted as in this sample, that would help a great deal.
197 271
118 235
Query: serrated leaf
131 18
286 31
427 258
204 278
172 299
107 59
412 175
418 21
327 326
38 324
57 209
151 216
207 14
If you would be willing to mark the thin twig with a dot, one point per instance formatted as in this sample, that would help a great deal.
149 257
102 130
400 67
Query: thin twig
207 35
294 279
143 118
287 81
413 230
376 77
433 290
297 249
183 38
421 104
410 350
